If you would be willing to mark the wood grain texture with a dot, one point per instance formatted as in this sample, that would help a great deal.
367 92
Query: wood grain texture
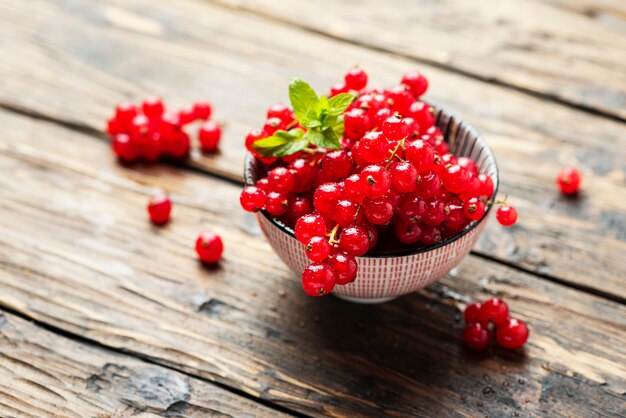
571 51
77 252
188 49
45 375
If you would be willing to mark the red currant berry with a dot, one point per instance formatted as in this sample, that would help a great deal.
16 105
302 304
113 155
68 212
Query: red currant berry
317 249
431 235
326 197
186 115
568 180
394 128
336 165
428 185
472 312
280 111
506 215
309 226
400 99
476 336
422 113
113 127
202 110
421 154
209 247
209 135
139 128
512 334
179 146
455 179
298 207
372 234
252 199
281 180
436 213
344 266
153 107
412 209
353 240
468 164
276 203
356 79
354 189
373 147
486 186
407 232
338 89
263 184
417 83
152 147
304 174
124 149
272 125
356 122
318 279
347 213
376 181
474 208
125 112
494 310
159 208
403 176
169 126
379 211
253 136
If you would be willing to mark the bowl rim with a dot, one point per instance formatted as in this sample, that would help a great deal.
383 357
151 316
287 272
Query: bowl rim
409 251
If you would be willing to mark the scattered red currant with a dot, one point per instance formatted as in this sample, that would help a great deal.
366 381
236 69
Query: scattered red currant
506 215
476 336
568 180
318 279
512 334
494 310
209 136
159 208
252 199
209 247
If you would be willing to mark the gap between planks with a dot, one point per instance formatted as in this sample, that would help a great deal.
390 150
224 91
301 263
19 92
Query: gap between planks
381 49
90 132
137 355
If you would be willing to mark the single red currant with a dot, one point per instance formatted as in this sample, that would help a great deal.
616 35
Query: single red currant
178 146
124 114
281 180
506 215
159 208
412 208
309 226
338 89
486 186
354 189
209 136
372 234
344 266
379 211
317 249
400 99
472 312
568 180
318 279
428 185
455 179
474 208
421 154
280 111
347 213
209 247
422 113
153 107
417 83
336 165
436 213
353 240
512 334
272 125
276 203
376 181
373 147
431 235
403 177
356 79
476 336
407 232
202 110
326 197
124 149
356 122
252 199
186 115
494 310
298 207
394 128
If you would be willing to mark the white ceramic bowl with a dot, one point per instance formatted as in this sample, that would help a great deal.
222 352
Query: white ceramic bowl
385 277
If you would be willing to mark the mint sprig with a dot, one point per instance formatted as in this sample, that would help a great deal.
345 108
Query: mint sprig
322 117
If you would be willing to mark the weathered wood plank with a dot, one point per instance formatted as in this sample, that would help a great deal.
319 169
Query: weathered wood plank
572 51
45 375
188 49
76 251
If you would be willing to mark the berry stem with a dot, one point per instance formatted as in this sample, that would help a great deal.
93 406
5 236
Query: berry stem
393 153
333 235
499 202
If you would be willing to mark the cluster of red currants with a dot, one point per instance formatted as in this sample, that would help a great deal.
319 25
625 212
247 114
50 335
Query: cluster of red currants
483 319
150 132
209 246
393 173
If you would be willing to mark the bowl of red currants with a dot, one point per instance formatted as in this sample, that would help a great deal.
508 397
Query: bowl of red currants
368 193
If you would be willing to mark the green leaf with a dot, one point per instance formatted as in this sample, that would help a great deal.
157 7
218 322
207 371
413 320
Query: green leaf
304 100
282 143
339 103
328 139
312 124
324 105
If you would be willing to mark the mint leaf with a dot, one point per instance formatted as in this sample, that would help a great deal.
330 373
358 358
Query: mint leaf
304 100
328 139
339 103
324 104
282 143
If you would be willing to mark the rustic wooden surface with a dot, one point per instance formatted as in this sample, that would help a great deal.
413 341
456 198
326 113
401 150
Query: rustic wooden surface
106 288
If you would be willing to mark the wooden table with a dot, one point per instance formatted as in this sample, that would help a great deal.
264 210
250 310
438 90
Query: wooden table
102 314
